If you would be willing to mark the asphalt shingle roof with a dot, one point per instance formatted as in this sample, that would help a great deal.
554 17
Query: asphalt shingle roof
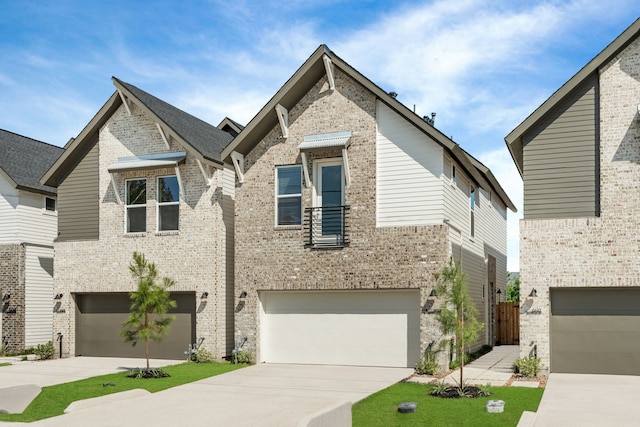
26 160
208 140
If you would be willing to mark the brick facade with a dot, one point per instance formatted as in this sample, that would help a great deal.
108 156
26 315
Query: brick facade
590 252
194 256
12 296
269 257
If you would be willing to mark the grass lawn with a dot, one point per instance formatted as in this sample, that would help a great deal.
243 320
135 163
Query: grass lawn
5 364
53 400
381 409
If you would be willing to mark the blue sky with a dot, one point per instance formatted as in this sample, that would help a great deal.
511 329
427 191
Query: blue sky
482 66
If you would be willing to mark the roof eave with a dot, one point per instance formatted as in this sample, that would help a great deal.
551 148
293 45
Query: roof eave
75 150
514 138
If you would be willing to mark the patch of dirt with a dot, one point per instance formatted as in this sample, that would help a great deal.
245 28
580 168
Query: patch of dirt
541 380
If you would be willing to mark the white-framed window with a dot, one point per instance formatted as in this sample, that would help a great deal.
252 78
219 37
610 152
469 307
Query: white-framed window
136 205
453 174
472 202
50 204
289 195
168 203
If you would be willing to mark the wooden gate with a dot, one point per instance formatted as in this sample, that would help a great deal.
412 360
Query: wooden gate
508 323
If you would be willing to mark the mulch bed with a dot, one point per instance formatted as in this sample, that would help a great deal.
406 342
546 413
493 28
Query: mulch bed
453 392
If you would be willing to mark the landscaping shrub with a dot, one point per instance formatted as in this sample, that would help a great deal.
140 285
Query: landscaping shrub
202 356
427 365
244 357
147 373
44 351
528 367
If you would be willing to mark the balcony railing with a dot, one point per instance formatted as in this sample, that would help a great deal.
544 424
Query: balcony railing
326 227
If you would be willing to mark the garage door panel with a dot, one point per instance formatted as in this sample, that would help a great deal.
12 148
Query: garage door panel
99 319
352 328
595 330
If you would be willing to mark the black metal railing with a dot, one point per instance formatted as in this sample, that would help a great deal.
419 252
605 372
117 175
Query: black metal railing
326 227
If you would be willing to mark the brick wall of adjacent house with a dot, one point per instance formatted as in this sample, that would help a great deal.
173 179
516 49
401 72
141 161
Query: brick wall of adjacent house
12 283
591 252
274 258
192 257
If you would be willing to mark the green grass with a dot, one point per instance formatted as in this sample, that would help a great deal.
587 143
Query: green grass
53 400
381 409
5 364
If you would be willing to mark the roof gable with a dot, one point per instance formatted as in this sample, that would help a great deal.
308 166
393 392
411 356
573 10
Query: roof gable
25 160
514 139
198 137
308 75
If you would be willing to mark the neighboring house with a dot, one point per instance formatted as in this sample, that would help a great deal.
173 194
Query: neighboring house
347 204
144 176
28 221
579 155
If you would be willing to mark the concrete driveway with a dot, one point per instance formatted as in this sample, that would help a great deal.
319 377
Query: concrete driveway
260 395
590 400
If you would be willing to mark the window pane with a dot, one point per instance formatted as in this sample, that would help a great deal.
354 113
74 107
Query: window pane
289 180
168 189
168 219
136 220
331 186
290 211
137 192
50 204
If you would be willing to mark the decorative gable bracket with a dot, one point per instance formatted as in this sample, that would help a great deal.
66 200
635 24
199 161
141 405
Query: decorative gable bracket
238 165
125 101
163 134
283 118
206 172
328 66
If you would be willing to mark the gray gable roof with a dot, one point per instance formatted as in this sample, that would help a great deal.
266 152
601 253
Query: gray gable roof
25 160
208 140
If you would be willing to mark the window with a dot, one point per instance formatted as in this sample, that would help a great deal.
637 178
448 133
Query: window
168 203
136 208
472 199
289 195
453 174
49 204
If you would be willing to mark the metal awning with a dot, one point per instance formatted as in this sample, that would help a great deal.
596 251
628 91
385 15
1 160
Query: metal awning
151 161
326 140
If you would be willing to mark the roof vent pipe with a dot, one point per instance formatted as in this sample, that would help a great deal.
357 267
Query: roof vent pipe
394 95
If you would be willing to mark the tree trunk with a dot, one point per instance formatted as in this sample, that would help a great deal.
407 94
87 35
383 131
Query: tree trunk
146 341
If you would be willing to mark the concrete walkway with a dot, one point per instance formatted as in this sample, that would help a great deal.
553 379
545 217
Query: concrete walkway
495 367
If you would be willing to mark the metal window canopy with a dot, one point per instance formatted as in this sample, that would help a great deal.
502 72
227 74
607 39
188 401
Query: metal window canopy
340 140
150 161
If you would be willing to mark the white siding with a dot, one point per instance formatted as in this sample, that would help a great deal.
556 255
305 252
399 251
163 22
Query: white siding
409 166
35 223
8 203
38 295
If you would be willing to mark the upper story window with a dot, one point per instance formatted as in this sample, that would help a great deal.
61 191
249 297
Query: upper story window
168 203
49 204
136 205
289 195
453 174
472 201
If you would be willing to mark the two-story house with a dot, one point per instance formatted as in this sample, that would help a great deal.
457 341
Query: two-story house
347 204
28 221
579 155
144 176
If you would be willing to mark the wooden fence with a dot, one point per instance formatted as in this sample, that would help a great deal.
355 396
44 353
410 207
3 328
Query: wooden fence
508 323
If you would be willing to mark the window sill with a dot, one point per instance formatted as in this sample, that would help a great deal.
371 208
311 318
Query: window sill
143 234
168 233
50 213
288 227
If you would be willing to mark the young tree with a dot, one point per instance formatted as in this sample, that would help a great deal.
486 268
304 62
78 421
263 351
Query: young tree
458 314
149 305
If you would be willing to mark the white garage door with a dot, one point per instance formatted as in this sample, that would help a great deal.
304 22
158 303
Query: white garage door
366 328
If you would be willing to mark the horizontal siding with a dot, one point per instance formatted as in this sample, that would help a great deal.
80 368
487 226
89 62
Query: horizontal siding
36 225
560 156
409 166
8 218
38 295
78 201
